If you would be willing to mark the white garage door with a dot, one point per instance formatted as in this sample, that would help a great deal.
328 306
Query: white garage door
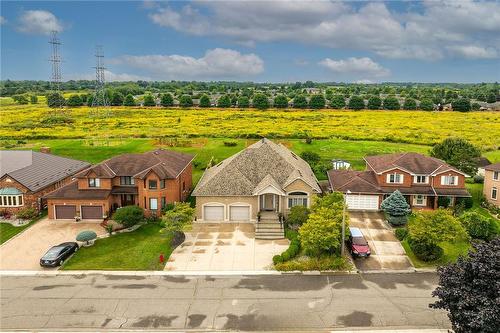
213 213
239 213
362 202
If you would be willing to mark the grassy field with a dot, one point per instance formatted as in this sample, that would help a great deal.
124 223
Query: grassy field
415 127
7 231
137 250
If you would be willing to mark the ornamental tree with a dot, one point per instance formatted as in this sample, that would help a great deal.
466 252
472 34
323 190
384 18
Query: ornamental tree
297 216
86 236
469 289
396 208
178 218
459 153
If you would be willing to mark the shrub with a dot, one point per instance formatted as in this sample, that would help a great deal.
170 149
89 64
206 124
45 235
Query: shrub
468 202
298 216
230 143
310 157
410 104
129 215
75 100
478 226
277 259
401 233
425 251
479 179
444 202
461 105
86 236
27 213
324 263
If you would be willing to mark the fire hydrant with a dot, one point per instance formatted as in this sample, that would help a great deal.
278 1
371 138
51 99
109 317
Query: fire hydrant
162 258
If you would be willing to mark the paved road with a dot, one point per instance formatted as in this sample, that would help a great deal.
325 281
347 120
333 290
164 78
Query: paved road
276 302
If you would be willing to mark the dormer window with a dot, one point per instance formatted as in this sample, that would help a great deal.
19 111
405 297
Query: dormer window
94 182
449 180
395 178
419 179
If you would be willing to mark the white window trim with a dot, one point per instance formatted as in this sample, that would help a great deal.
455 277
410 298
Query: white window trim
156 203
295 196
455 180
417 197
4 200
494 189
395 174
417 182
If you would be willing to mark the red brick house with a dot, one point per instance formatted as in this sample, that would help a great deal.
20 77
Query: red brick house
150 180
26 176
421 179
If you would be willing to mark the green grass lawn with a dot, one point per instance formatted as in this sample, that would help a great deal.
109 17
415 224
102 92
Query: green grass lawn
137 250
451 253
7 231
476 190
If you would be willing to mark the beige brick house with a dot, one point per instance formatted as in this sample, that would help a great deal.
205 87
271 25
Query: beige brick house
261 181
492 183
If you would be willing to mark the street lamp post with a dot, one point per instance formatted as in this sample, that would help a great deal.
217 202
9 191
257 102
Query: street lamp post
342 249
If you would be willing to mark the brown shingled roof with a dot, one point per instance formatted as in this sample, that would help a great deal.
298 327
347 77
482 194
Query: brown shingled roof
166 164
493 167
71 191
354 181
412 162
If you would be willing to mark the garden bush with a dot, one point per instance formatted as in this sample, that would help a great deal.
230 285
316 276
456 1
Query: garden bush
478 226
230 143
277 259
479 179
27 213
86 236
468 202
425 251
129 215
401 233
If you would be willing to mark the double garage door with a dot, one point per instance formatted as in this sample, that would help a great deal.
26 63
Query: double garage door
68 212
215 213
362 202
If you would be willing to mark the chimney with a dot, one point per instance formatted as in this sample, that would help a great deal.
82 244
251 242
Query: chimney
45 150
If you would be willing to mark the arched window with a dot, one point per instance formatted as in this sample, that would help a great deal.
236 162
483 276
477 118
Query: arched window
297 199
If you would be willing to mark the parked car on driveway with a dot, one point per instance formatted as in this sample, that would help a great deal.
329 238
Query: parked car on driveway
56 255
358 246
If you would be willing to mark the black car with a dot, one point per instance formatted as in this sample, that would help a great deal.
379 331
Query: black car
56 255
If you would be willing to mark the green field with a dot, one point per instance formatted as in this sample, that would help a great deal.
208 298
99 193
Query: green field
136 250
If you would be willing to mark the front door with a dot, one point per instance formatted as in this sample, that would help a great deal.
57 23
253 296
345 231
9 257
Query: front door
269 202
127 200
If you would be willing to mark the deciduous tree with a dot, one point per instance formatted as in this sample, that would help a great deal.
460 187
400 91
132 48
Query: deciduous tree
300 102
459 153
337 102
167 100
280 101
260 101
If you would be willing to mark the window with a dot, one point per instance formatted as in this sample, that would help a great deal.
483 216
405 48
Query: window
94 182
162 183
395 178
449 180
127 180
494 193
163 202
153 203
419 200
11 200
153 184
420 179
495 175
297 199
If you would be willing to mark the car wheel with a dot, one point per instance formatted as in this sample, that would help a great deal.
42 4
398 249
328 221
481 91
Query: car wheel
76 248
61 262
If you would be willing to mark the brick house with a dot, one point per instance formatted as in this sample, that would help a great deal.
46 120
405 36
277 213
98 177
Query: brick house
150 180
26 176
421 179
492 183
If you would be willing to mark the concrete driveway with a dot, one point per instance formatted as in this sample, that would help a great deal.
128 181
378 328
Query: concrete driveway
386 250
224 247
23 252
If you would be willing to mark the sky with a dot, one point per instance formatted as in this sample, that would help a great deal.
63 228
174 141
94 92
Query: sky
260 41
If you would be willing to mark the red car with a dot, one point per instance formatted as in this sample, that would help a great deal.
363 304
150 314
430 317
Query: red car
358 246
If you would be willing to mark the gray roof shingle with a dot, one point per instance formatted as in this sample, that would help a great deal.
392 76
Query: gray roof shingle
244 172
37 170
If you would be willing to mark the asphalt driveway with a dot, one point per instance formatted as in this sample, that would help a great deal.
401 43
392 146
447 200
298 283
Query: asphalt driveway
386 250
23 252
224 247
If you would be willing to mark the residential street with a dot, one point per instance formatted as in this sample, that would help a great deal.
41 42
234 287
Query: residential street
272 302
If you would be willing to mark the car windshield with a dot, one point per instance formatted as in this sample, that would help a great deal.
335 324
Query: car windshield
53 252
359 241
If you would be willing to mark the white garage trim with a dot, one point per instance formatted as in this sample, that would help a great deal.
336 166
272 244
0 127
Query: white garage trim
362 202
240 212
216 206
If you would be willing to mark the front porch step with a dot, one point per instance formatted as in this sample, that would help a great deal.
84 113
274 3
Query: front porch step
269 230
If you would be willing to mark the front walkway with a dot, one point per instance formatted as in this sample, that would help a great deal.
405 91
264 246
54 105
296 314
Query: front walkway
224 247
387 253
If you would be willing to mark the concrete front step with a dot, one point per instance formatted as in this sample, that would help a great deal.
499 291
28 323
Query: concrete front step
269 230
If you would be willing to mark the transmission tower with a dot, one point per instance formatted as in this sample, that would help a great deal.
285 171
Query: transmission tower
55 59
100 103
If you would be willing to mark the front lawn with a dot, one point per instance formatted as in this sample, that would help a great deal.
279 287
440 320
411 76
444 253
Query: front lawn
137 250
7 230
451 253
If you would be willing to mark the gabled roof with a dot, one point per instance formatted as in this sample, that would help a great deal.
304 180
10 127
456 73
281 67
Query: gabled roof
166 164
36 170
413 163
354 181
493 167
262 164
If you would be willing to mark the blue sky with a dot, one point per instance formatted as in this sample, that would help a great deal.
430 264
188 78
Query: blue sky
279 41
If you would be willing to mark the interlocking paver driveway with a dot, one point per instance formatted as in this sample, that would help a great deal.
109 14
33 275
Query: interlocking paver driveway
24 251
387 252
224 247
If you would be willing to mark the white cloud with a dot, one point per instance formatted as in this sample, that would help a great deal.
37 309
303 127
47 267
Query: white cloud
474 52
216 63
364 81
3 20
430 32
39 22
365 66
